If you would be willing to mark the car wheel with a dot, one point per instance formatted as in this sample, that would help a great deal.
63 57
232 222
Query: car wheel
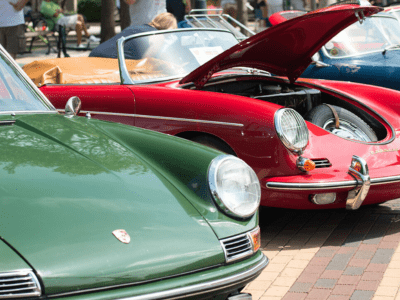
350 125
214 143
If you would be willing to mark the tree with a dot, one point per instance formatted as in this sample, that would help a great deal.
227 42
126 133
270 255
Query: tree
124 15
107 26
242 16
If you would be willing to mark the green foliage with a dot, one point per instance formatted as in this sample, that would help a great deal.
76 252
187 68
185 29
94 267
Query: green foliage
91 9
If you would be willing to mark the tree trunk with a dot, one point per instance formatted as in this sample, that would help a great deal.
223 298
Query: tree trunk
107 27
242 16
124 15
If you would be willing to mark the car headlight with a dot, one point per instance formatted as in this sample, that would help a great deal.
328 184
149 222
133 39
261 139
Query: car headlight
292 129
234 186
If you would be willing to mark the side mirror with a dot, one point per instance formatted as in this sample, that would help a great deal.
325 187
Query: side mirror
73 106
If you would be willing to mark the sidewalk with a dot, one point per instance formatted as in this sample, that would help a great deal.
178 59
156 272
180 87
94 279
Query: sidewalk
334 254
39 49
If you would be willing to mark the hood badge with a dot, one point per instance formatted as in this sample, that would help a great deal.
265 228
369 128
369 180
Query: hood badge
122 236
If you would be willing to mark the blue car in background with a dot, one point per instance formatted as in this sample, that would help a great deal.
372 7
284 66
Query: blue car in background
365 52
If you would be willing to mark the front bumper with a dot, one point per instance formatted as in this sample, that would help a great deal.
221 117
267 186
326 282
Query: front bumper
200 285
357 186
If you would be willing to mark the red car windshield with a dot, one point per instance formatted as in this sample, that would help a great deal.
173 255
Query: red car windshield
174 53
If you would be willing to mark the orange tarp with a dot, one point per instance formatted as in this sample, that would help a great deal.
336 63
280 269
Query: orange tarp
90 70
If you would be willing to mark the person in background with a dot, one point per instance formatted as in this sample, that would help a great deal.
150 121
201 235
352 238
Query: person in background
108 49
178 8
144 11
54 15
11 25
261 11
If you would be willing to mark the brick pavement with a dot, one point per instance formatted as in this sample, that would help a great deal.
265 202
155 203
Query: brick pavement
333 254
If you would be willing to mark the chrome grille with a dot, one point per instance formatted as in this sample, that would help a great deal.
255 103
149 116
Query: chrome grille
322 163
237 247
19 284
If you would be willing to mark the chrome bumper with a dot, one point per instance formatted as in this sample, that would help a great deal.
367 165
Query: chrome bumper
359 170
206 287
360 185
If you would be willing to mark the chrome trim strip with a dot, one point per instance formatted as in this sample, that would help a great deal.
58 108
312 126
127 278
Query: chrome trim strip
205 287
329 185
27 112
190 120
158 118
311 186
385 180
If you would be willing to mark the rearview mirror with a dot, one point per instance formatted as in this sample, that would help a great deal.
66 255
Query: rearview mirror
73 106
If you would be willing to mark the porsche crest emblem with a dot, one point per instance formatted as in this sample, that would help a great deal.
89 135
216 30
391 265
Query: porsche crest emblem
122 236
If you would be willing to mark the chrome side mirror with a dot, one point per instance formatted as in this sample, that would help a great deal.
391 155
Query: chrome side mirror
73 107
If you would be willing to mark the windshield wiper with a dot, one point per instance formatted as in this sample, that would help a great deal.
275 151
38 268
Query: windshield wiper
390 47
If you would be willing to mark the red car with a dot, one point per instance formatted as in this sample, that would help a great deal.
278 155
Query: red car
312 143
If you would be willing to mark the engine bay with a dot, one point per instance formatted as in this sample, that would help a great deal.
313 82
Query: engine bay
310 103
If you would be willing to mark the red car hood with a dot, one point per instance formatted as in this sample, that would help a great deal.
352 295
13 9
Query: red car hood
285 49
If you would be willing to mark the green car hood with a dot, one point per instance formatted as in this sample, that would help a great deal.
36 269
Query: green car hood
67 183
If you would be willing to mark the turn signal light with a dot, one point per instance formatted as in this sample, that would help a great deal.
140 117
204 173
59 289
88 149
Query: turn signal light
356 166
256 238
305 164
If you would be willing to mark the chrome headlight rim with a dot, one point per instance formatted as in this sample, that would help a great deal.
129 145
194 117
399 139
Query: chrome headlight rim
212 182
280 131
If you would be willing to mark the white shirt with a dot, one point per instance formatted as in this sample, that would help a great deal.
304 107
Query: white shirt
144 11
9 16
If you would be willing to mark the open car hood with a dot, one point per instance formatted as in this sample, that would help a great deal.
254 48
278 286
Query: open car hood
285 49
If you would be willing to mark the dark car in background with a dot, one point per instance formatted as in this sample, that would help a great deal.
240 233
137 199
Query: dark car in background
366 52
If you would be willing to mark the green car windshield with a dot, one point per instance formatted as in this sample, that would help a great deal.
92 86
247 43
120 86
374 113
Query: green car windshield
374 34
172 54
16 93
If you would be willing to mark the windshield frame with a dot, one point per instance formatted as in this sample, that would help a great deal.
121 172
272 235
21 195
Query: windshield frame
35 92
326 53
123 71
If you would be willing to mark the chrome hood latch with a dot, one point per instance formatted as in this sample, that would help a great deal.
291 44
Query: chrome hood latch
359 170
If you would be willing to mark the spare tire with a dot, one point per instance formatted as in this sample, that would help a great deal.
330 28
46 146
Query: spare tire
350 126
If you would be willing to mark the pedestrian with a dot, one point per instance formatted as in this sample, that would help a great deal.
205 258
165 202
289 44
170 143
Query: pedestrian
11 25
144 11
132 50
54 15
178 8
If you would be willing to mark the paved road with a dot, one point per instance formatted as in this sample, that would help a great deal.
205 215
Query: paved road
333 254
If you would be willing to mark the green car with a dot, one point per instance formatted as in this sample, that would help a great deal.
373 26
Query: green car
98 210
